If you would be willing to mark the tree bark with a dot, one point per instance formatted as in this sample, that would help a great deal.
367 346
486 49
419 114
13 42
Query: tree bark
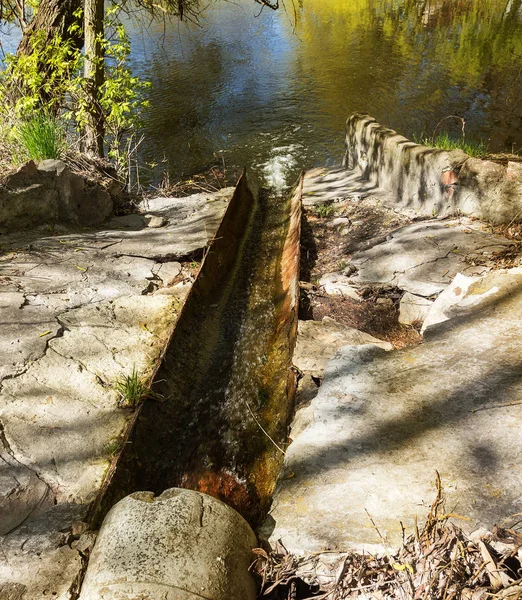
94 76
53 17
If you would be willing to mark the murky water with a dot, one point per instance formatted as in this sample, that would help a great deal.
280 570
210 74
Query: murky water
258 92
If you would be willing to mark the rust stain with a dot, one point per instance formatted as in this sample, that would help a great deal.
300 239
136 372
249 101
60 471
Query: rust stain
223 485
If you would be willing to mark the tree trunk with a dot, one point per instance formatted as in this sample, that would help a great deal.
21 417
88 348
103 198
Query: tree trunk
53 17
94 76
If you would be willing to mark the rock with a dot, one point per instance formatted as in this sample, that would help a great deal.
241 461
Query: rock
306 390
350 270
491 190
424 257
338 222
77 315
55 167
49 193
133 221
155 221
28 206
168 271
317 342
452 295
79 527
12 591
37 558
21 492
85 543
179 291
383 301
336 284
413 309
383 422
94 206
182 544
25 333
192 221
24 176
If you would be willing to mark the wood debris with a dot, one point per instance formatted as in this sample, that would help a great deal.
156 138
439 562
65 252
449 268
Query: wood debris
438 562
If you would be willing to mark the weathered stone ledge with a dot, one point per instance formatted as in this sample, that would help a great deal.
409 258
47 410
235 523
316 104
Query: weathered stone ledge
430 181
80 309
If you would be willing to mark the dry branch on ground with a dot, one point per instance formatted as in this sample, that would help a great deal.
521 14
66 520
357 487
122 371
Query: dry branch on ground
439 561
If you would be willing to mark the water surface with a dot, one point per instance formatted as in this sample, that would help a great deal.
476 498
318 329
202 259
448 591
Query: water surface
274 94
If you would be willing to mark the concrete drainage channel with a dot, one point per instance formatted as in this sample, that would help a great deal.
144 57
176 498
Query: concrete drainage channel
214 425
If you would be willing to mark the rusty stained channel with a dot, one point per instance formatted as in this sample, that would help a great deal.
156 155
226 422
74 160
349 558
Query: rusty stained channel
223 394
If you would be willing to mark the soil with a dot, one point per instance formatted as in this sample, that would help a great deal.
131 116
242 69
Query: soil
326 249
368 223
377 314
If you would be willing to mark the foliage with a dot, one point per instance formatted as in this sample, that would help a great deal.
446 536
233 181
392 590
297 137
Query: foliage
324 210
132 389
445 142
40 79
42 136
112 447
50 79
17 11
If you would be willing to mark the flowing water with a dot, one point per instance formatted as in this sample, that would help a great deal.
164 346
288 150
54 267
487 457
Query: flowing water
273 93
217 421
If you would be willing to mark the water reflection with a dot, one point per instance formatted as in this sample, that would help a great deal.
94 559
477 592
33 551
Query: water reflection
260 92
263 95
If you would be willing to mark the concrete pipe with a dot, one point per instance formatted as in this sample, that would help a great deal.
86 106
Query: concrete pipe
182 545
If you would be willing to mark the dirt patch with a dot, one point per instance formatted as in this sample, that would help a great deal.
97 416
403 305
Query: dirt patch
331 234
377 314
359 224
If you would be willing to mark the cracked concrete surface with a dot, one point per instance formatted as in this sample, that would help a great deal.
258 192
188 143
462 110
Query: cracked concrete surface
423 258
383 422
368 439
79 309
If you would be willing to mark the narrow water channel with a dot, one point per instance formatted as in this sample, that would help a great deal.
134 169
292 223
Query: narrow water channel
217 420
273 93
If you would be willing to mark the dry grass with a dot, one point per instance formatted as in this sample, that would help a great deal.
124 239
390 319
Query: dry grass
213 179
437 562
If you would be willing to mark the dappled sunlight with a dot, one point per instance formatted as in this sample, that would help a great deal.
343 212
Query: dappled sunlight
383 422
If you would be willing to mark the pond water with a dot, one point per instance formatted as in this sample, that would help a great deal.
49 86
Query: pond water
266 91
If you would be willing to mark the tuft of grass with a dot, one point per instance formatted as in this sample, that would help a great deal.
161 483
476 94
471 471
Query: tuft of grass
42 137
112 447
324 210
444 142
132 389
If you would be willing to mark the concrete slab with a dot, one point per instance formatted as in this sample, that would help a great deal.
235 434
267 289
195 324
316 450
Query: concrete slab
423 258
78 311
413 309
317 342
323 185
383 422
337 284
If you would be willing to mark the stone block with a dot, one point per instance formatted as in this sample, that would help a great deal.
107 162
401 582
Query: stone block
413 309
182 545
